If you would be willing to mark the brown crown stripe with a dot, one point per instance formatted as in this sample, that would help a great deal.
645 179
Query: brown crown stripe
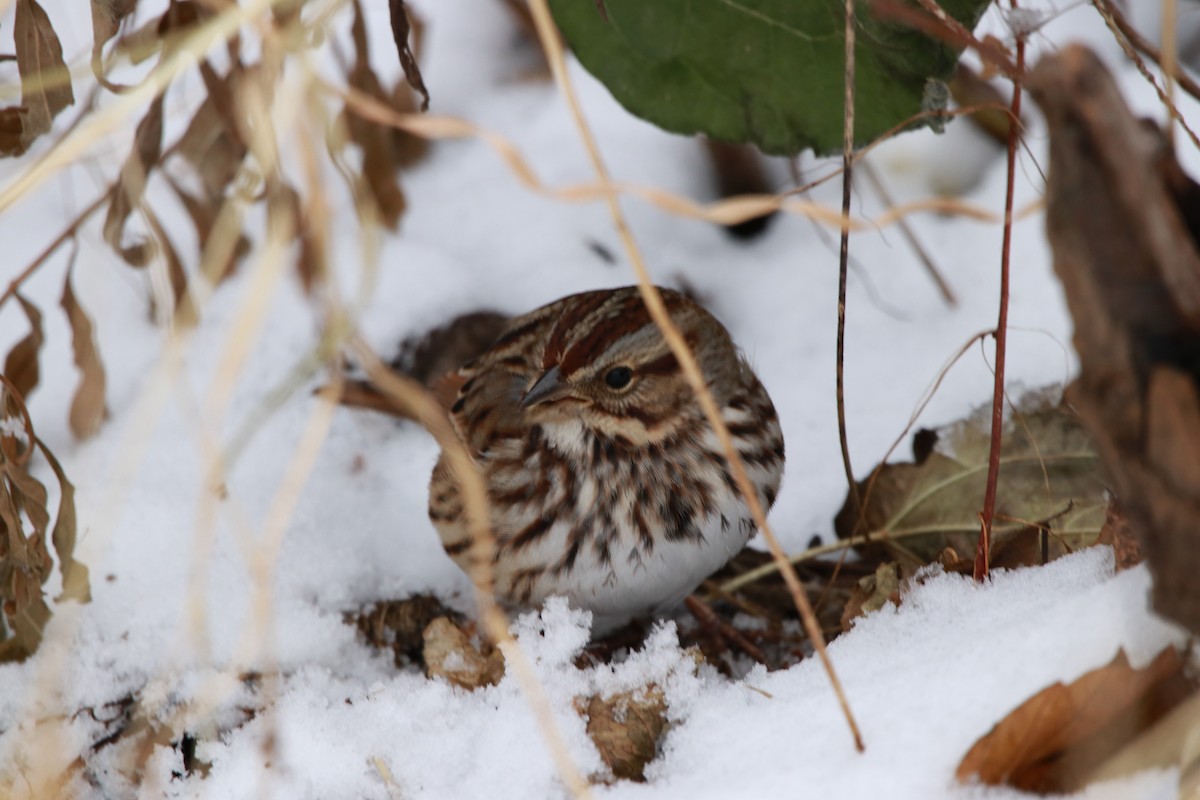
575 310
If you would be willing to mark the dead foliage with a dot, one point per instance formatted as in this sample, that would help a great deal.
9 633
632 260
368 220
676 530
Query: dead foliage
626 729
1123 221
399 625
25 533
872 593
1051 493
1054 741
45 80
220 163
450 654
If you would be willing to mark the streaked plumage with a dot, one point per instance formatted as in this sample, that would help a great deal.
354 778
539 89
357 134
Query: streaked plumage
605 481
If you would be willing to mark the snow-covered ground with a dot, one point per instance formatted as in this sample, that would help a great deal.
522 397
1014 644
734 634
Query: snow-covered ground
178 573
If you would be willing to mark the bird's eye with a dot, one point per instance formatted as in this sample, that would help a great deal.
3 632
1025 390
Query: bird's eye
618 377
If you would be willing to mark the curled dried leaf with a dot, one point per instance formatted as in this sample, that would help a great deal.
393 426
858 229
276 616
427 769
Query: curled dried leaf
87 404
107 16
401 26
626 728
131 185
21 363
449 654
25 561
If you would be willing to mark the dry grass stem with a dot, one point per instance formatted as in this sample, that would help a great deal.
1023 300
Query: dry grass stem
552 45
730 211
408 394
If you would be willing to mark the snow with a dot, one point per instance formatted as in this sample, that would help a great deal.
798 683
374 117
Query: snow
192 592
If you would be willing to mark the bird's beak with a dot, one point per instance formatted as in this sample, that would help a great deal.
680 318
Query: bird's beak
547 388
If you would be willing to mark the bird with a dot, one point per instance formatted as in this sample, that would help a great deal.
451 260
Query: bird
605 482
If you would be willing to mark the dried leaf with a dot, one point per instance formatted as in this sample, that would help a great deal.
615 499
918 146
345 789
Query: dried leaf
75 583
378 176
1049 477
12 127
176 275
204 213
25 562
400 29
449 654
1117 533
87 404
872 593
213 151
106 21
626 728
1052 741
25 626
21 364
400 624
45 79
131 185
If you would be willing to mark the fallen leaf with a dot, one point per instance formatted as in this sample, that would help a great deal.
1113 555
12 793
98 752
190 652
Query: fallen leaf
1049 478
400 624
449 654
1052 741
626 729
872 593
87 404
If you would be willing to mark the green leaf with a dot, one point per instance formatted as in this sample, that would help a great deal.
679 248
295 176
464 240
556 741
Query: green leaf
763 71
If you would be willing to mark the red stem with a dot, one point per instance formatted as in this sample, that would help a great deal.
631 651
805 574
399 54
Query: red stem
983 548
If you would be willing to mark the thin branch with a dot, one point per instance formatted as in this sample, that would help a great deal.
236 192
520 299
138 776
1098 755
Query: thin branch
983 548
844 255
1120 24
65 236
909 235
1123 32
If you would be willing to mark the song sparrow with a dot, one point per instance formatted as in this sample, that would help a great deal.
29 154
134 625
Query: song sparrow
606 483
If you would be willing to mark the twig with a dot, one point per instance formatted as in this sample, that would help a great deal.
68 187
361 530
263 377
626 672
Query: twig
982 549
909 235
1124 33
880 537
67 234
701 611
1119 24
687 360
844 255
